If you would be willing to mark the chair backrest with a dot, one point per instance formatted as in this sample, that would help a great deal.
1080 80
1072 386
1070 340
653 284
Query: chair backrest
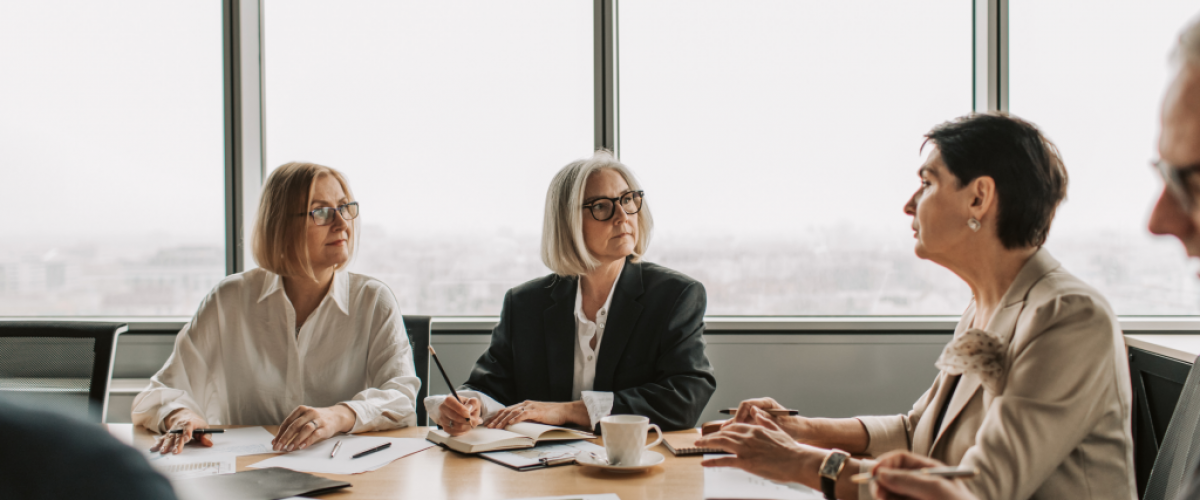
418 338
1179 454
64 366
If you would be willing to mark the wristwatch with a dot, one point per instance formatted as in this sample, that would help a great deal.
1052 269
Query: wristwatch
830 468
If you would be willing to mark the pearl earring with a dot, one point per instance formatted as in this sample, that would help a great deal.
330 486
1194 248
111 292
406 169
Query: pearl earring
974 224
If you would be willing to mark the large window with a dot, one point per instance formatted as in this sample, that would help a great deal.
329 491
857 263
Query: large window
1092 77
778 142
449 118
112 153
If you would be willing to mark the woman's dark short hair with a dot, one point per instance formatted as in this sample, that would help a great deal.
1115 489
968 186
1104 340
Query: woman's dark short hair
1030 177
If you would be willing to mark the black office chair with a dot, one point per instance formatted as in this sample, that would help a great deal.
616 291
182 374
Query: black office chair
418 338
1179 454
59 365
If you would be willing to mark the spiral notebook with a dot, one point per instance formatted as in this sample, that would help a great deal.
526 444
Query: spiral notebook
681 445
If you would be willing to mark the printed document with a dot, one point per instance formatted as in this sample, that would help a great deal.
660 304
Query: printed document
728 483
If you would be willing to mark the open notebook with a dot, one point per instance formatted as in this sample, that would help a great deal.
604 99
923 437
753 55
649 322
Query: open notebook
522 435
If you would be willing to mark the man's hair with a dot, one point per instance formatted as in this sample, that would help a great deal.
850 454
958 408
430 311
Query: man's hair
1030 177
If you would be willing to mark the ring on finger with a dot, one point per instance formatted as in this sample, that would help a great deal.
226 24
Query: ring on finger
316 425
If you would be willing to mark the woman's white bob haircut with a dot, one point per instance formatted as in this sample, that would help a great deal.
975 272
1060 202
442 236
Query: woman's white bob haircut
563 248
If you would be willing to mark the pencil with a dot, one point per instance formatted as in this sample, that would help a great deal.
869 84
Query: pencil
444 376
777 413
948 472
198 431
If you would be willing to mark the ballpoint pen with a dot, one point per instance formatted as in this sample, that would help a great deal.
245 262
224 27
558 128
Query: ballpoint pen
336 447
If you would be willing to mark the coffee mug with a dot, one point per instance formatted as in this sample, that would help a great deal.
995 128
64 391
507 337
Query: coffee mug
625 438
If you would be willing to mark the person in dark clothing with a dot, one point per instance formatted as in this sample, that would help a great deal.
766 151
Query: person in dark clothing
52 456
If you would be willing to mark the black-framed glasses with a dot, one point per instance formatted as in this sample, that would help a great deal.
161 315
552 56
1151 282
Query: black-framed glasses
1182 182
324 216
602 208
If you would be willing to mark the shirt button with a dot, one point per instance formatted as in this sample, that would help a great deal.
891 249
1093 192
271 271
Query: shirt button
601 325
589 358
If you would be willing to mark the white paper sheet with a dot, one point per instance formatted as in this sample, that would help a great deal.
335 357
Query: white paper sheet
316 459
727 483
186 466
603 496
236 442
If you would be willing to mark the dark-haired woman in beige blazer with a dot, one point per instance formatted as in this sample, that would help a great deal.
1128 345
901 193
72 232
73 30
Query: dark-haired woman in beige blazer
1034 391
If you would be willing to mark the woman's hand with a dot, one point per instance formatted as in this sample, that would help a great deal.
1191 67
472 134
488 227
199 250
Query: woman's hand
749 413
184 420
574 412
307 426
765 450
894 482
458 418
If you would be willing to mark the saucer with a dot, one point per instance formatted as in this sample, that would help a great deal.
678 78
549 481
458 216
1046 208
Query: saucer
649 459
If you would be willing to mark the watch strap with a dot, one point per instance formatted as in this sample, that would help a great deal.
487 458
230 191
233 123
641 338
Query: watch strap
829 488
831 467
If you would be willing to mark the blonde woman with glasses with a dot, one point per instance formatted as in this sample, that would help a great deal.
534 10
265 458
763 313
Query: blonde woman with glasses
297 342
606 333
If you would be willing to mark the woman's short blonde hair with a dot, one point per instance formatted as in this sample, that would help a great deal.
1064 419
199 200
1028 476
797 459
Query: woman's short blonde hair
279 240
563 248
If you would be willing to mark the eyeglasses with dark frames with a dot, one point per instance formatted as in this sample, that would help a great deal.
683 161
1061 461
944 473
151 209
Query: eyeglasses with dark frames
324 216
1181 182
602 209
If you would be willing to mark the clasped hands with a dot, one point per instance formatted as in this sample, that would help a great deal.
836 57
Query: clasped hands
458 418
304 427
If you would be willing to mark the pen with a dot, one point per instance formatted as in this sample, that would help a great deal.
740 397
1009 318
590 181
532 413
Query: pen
444 376
199 431
949 472
381 447
777 413
336 447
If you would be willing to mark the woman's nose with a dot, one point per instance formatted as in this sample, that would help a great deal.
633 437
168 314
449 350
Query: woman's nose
910 208
619 215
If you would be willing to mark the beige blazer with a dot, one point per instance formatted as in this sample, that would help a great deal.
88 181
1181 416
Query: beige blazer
1060 426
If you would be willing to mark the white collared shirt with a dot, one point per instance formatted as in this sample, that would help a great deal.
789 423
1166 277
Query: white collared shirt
599 404
241 361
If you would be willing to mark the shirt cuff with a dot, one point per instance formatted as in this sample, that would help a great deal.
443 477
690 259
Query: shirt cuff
599 405
433 404
864 489
885 433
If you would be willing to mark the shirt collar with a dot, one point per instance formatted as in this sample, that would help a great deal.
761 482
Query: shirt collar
340 289
607 302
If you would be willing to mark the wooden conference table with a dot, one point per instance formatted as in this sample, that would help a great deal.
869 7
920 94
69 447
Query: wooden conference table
438 473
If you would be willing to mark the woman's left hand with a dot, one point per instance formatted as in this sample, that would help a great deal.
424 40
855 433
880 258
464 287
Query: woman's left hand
762 449
307 426
574 412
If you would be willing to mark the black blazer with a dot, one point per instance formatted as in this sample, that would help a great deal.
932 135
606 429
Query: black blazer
651 356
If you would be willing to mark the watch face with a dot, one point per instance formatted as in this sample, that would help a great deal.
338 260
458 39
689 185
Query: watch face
833 464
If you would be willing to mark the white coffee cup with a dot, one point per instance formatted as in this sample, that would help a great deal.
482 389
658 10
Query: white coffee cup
625 438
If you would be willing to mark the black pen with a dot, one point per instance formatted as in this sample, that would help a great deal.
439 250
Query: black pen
444 376
381 447
777 413
198 431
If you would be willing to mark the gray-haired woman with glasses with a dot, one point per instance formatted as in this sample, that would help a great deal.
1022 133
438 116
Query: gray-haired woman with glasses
297 342
606 333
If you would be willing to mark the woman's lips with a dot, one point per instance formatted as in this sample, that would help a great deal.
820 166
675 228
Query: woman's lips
336 243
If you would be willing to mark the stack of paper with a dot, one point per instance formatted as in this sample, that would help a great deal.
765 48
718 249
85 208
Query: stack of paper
721 483
187 465
317 459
